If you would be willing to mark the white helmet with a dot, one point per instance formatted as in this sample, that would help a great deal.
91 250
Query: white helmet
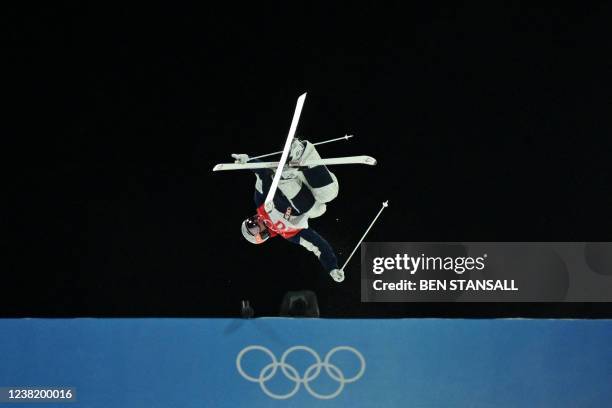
252 232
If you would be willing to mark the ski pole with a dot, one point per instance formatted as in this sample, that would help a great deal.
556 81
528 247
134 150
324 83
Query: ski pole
345 137
384 205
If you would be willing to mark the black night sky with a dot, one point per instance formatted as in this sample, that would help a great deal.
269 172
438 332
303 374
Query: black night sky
489 123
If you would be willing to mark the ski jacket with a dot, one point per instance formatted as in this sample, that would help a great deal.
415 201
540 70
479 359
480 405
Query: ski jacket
289 219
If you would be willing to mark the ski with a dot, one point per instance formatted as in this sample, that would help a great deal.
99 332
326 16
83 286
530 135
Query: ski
268 203
367 160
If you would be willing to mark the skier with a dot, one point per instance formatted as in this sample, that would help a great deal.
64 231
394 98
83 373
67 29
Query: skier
303 194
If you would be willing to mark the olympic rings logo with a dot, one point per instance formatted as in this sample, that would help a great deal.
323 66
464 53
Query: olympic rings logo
292 373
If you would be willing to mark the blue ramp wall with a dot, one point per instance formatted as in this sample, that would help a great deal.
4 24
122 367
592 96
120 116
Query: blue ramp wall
373 363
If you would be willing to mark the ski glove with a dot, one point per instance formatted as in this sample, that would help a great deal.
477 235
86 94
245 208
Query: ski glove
337 274
240 158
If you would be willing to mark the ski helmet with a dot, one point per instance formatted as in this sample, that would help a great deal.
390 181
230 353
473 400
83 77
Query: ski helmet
252 232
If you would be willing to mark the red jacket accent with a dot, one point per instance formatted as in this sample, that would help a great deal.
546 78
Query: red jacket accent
278 225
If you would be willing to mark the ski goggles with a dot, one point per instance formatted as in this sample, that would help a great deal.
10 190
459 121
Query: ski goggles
252 225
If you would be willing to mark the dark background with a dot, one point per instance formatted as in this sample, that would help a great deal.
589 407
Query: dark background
490 123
